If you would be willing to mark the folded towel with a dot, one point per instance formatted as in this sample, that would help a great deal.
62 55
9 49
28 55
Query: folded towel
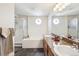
5 32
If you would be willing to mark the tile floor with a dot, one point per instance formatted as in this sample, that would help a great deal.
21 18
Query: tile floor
28 52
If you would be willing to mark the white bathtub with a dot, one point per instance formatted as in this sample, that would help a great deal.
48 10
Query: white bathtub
28 43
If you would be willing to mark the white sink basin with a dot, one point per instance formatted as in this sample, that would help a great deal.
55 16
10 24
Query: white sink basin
63 50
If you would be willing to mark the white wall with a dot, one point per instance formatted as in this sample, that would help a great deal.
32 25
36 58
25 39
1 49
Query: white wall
78 28
49 24
61 28
35 32
7 15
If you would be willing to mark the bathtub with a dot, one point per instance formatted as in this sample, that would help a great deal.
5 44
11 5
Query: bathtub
28 43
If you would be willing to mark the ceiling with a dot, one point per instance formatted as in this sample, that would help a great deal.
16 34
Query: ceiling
44 9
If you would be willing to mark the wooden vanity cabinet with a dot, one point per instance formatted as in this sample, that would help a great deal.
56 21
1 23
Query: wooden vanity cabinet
47 49
49 52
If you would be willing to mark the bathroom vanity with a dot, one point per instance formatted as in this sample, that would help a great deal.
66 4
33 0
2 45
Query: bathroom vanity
64 48
48 47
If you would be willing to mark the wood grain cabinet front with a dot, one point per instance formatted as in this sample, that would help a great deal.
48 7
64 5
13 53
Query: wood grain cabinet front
45 47
49 52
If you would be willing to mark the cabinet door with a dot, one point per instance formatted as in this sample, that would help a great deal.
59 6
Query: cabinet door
45 47
49 52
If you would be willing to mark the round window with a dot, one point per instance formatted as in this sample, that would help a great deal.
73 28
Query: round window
38 21
56 21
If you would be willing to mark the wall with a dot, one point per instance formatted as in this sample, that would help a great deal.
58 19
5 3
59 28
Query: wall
35 32
49 24
61 28
78 28
7 15
7 20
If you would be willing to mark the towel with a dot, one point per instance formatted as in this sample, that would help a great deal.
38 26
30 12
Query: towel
5 32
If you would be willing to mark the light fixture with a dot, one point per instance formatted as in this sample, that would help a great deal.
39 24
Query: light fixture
60 6
38 21
56 21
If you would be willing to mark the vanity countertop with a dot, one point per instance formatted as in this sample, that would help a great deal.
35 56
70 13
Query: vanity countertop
61 49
